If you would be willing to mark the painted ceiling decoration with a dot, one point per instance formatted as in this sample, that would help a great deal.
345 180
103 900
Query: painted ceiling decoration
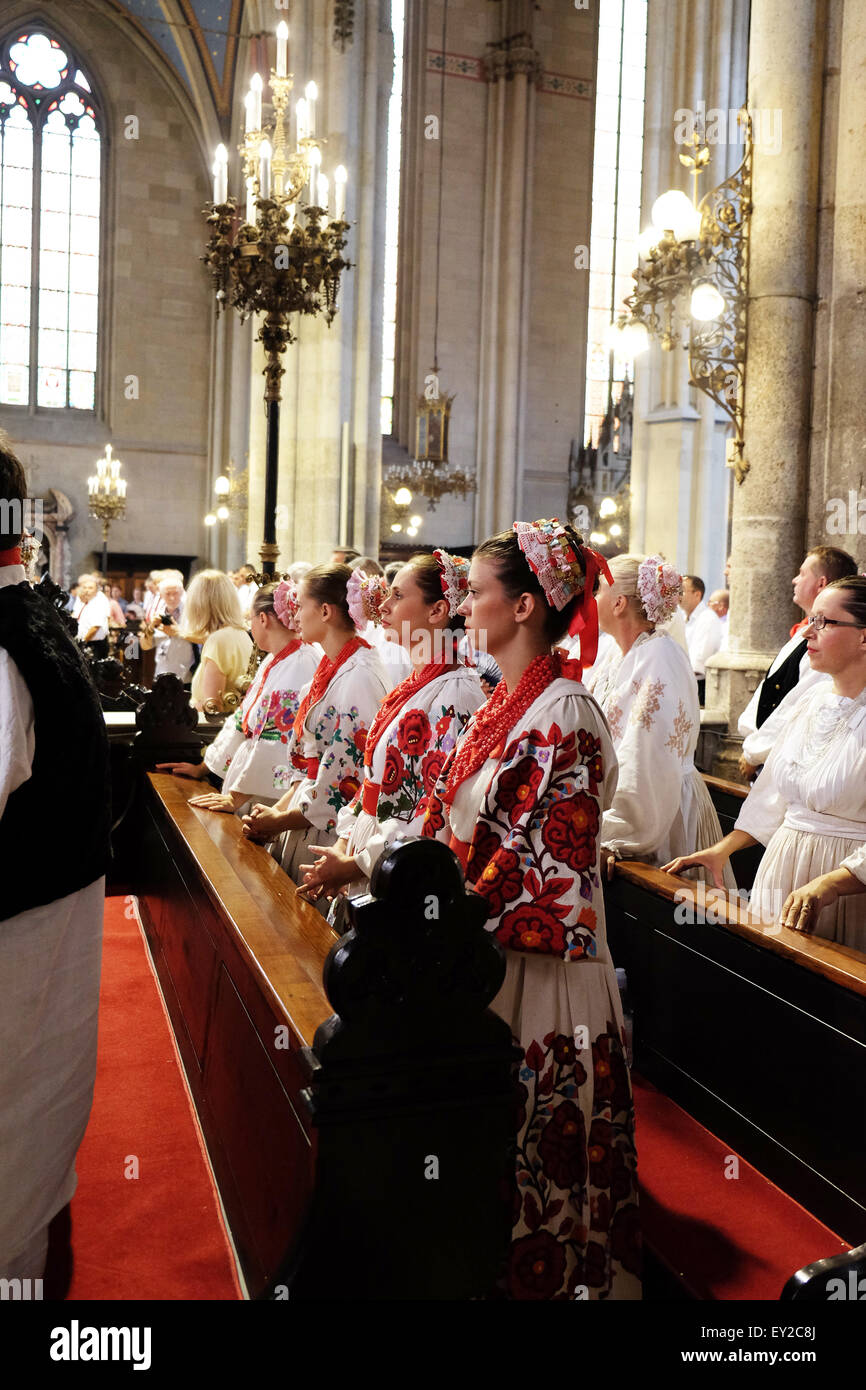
213 26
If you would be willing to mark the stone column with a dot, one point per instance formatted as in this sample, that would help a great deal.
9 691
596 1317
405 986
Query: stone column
512 70
838 456
786 54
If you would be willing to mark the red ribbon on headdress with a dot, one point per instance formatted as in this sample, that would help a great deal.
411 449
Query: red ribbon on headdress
11 557
585 620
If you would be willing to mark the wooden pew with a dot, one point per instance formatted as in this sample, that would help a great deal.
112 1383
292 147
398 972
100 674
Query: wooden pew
757 1032
364 1154
728 798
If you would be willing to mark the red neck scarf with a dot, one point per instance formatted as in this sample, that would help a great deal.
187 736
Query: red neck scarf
11 557
399 696
251 703
493 722
585 620
325 673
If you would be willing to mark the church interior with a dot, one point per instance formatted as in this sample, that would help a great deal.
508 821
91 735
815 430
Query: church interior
293 288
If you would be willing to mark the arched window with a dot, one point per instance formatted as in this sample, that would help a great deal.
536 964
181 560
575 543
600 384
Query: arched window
50 192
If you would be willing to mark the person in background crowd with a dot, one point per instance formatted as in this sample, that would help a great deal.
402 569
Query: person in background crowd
415 729
53 752
661 806
808 806
298 570
727 573
704 631
93 614
175 656
720 601
117 615
395 658
326 745
152 597
246 588
792 673
117 595
344 555
393 567
212 618
249 753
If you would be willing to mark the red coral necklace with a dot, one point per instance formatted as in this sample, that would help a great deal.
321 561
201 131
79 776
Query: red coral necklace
325 673
485 737
251 702
399 696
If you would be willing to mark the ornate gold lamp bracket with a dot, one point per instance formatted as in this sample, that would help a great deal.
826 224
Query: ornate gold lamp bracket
695 275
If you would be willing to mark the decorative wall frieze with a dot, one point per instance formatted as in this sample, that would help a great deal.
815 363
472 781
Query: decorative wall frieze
512 56
475 69
344 23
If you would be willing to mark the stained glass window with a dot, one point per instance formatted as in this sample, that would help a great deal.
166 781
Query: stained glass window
50 193
616 180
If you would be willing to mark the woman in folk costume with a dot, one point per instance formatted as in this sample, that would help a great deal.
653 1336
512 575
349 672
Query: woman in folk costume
416 728
368 587
650 698
326 744
808 806
252 758
522 799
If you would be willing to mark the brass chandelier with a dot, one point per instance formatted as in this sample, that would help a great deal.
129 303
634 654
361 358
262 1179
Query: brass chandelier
270 262
694 271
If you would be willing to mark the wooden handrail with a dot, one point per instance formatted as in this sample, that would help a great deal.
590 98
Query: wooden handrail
283 937
840 964
719 784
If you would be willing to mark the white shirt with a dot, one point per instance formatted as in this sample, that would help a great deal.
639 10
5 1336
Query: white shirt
95 613
758 743
704 634
173 656
246 594
17 739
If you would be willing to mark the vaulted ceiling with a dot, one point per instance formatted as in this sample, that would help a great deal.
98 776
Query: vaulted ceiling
198 37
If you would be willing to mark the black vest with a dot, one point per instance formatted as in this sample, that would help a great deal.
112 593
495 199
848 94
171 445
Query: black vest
777 686
55 828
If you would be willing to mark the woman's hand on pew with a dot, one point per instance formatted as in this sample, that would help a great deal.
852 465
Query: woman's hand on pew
262 824
330 874
804 906
712 859
198 771
213 801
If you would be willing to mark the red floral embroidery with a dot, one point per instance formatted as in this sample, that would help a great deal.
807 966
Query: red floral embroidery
414 733
587 745
501 880
284 717
431 767
530 928
611 1073
570 831
434 819
516 787
360 738
394 769
536 1266
562 1146
481 851
349 788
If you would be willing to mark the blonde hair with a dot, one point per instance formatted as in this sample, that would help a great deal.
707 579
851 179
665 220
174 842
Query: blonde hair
171 579
211 603
624 569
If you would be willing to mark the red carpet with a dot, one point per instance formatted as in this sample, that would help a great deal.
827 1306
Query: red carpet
159 1235
735 1238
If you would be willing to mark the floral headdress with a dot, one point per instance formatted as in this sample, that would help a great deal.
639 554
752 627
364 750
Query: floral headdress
365 593
555 564
286 604
660 588
454 577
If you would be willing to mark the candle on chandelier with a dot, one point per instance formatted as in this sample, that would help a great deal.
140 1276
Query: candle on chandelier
254 111
282 49
251 200
311 92
315 165
340 179
301 119
265 169
324 192
221 175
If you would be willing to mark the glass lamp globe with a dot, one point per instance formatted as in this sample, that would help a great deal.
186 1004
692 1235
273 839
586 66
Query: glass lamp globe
706 303
675 212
